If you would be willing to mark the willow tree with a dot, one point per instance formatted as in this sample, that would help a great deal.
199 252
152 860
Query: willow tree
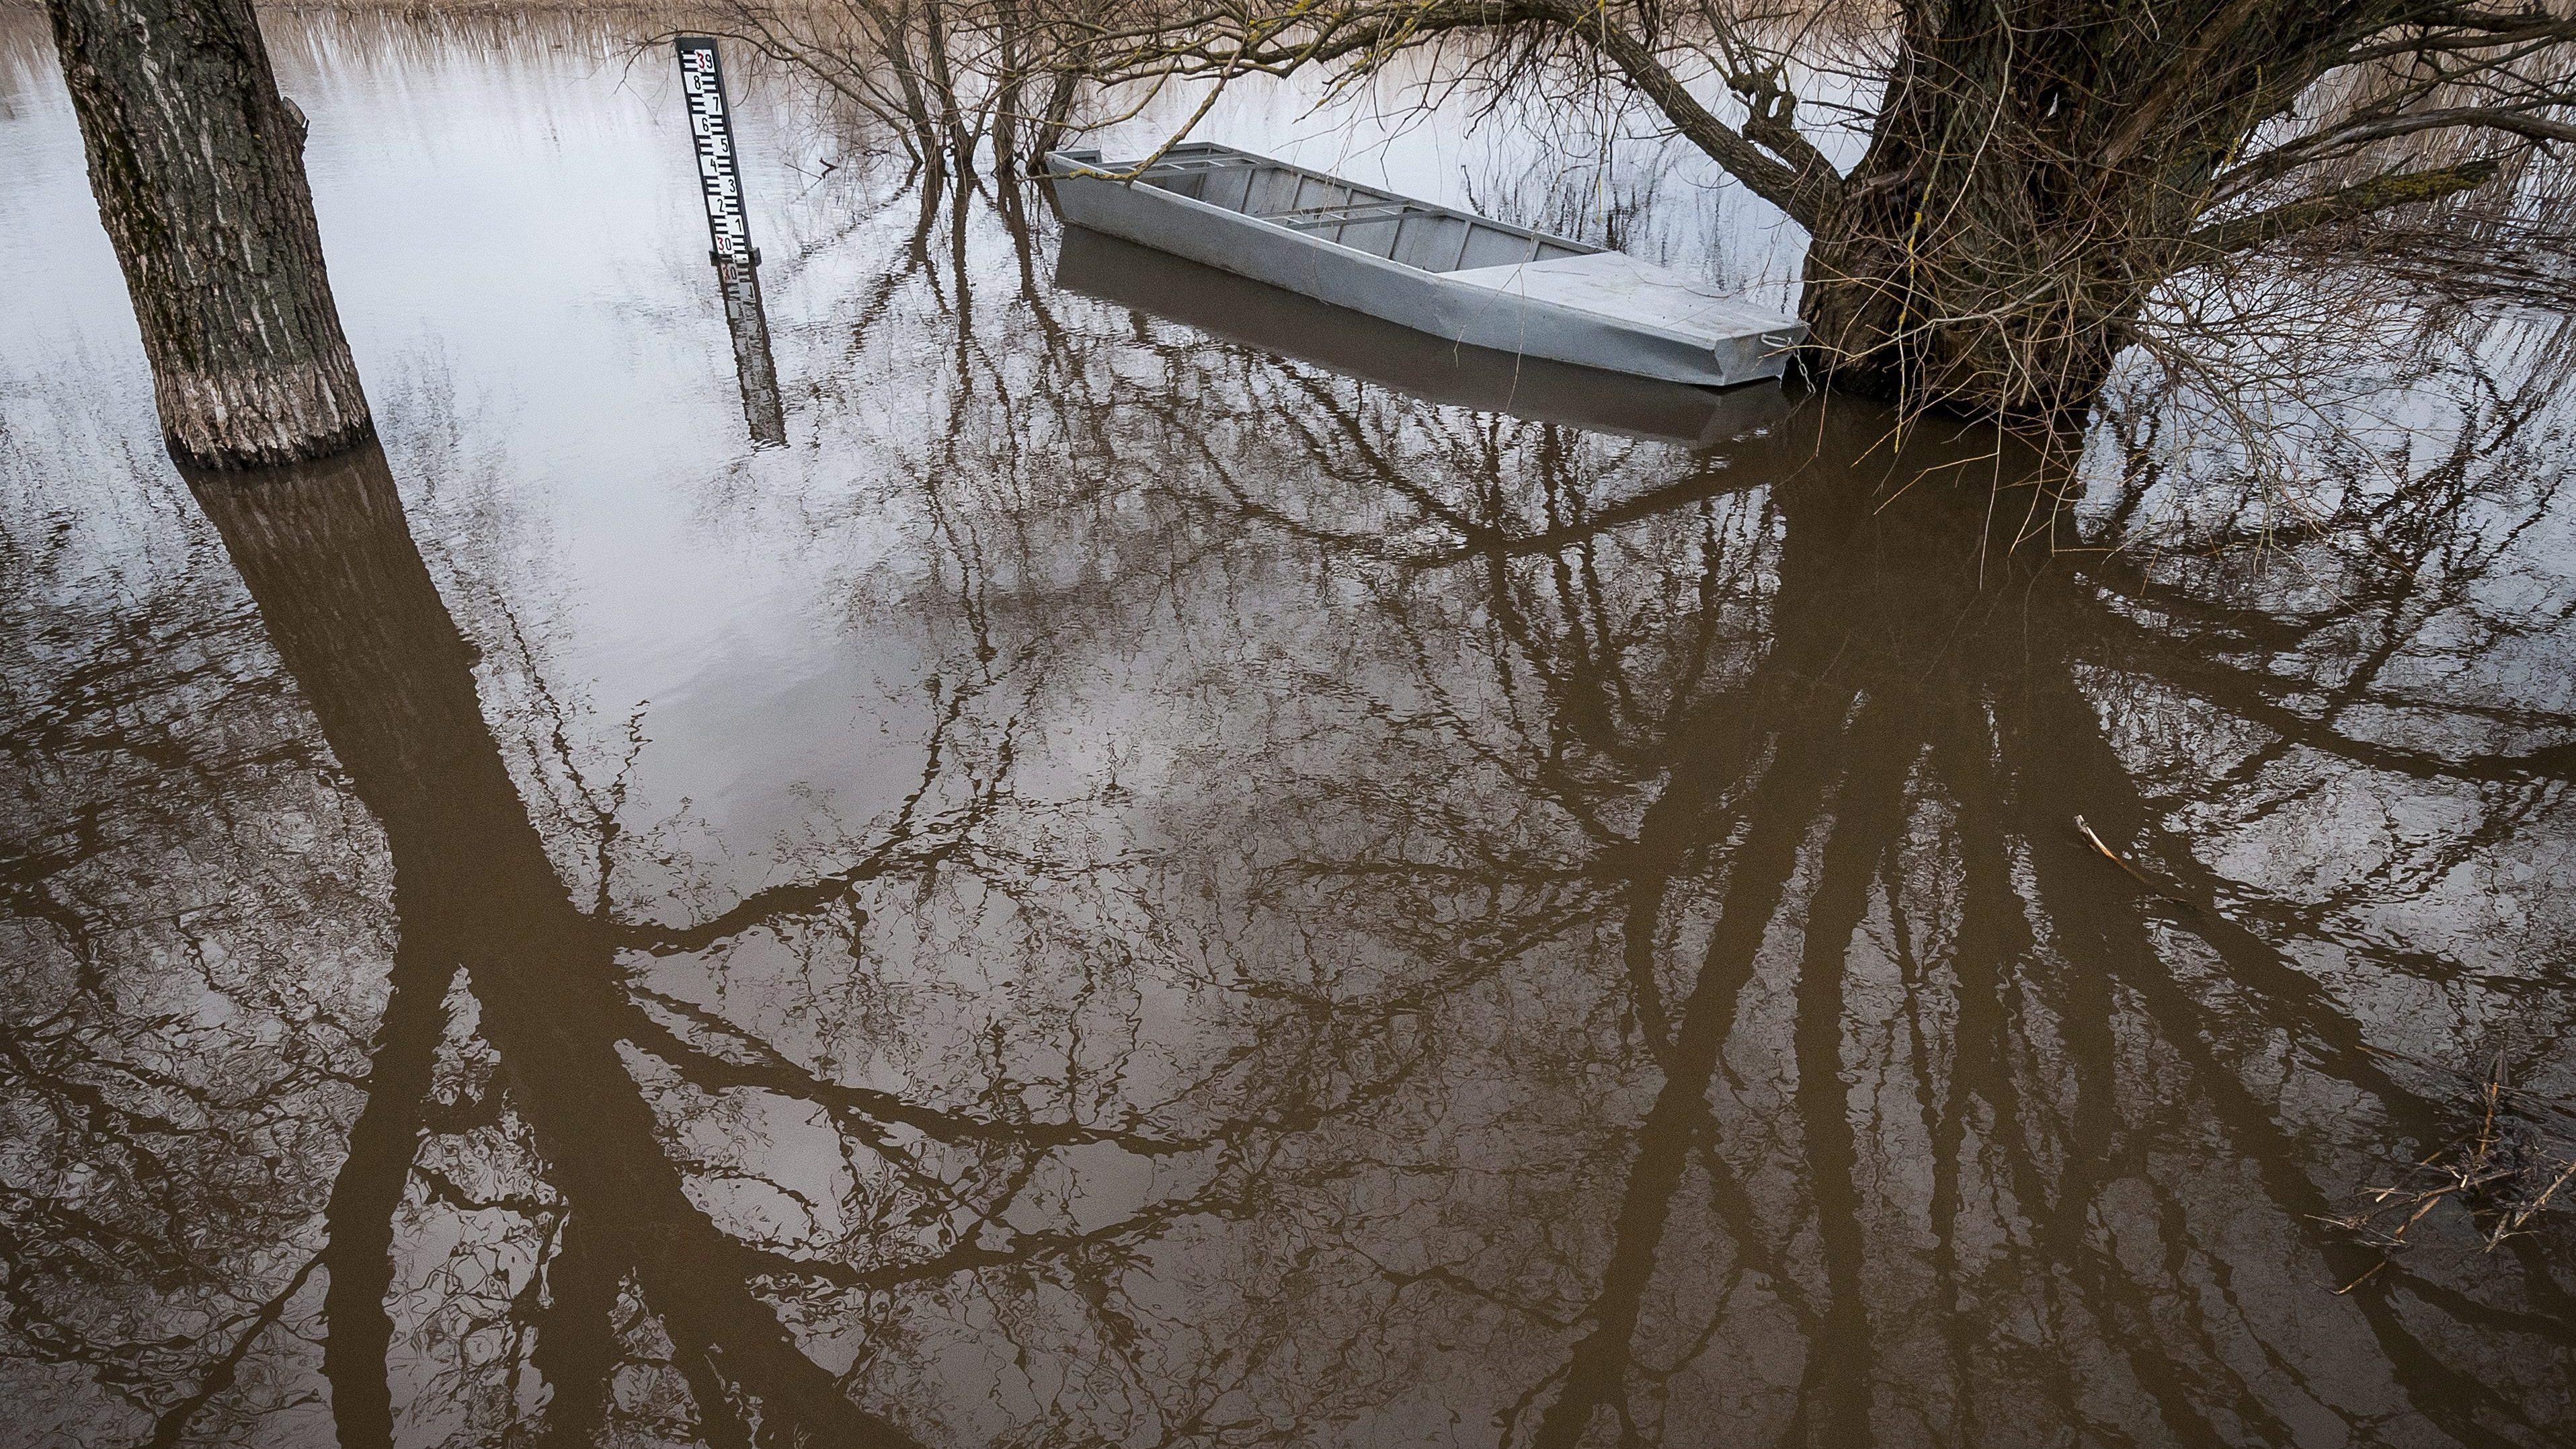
2035 170
198 167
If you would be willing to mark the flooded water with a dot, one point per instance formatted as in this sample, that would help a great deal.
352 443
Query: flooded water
1168 871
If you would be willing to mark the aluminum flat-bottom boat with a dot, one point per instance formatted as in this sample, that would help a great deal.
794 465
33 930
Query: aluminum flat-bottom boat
1280 322
1459 277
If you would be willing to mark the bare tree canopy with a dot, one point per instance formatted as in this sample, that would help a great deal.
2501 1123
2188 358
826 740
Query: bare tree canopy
2029 173
2034 169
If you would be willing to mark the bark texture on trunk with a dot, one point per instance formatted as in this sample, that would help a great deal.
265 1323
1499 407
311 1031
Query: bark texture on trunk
1968 264
197 163
2036 169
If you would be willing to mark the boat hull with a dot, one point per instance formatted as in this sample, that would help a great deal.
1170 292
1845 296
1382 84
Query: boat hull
1403 359
1487 316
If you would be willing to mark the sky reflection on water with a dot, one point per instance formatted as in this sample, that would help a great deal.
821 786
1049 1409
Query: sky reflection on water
1121 889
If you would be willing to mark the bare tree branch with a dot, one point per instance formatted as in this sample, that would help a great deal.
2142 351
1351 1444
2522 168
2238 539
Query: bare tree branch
2378 194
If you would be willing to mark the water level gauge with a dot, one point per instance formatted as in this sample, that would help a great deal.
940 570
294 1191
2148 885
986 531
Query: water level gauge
737 261
711 131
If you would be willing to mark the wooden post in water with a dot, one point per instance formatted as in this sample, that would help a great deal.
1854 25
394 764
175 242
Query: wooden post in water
198 166
737 261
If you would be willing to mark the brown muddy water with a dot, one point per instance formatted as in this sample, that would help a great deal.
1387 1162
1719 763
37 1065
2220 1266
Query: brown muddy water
1134 884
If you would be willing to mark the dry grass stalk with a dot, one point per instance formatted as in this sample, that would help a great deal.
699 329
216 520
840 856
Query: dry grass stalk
2504 1173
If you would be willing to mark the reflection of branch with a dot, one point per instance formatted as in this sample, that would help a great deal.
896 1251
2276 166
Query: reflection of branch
779 903
369 1190
1869 820
2247 694
1013 1248
330 562
172 1426
1774 460
2076 762
895 851
541 988
577 1334
769 1071
1780 811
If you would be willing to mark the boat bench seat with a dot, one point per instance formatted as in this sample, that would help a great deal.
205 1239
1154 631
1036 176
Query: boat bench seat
1314 216
1186 165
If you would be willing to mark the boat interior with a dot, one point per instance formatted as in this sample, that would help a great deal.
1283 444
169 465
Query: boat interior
1410 233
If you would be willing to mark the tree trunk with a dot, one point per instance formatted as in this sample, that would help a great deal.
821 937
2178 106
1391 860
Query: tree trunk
1968 265
198 166
2032 174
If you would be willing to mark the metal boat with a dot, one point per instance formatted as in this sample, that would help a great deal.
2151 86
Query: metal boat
1459 277
1373 350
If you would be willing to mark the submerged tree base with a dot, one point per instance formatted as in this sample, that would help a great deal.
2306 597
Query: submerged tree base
198 167
258 418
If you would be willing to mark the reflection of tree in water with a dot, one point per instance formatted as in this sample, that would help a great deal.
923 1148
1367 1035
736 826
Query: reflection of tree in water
1998 1139
920 1194
2101 1113
1409 926
1806 768
183 1004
